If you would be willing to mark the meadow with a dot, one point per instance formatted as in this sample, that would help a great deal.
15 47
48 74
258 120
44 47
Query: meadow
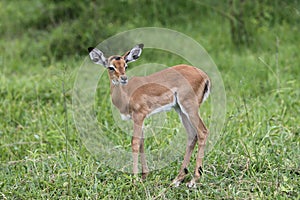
43 44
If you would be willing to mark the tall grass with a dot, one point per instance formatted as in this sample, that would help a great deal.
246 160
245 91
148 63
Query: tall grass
42 46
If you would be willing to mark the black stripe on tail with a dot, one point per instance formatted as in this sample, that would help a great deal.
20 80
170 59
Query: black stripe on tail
205 91
205 87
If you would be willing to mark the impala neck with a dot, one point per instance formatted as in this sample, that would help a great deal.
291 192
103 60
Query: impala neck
119 96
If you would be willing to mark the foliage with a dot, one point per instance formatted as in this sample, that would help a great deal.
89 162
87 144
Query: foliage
73 26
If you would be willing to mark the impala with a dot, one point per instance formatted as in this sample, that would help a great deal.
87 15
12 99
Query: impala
181 87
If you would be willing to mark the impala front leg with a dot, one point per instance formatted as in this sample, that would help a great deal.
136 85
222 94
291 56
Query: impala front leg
136 144
145 169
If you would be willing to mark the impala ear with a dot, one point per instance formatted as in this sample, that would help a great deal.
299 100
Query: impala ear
134 53
97 56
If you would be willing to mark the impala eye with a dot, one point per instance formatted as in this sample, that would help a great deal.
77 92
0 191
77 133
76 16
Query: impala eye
111 68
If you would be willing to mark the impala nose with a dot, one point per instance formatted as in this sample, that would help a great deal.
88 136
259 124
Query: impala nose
123 79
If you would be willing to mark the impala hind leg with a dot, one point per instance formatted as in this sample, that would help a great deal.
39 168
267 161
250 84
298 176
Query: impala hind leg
202 134
191 110
191 142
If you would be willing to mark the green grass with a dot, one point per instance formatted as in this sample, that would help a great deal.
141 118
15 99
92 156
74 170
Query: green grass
42 155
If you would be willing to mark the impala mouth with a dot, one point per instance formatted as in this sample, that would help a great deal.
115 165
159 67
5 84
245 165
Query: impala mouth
124 82
118 82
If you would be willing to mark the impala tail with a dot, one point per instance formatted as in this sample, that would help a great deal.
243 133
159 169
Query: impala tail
206 90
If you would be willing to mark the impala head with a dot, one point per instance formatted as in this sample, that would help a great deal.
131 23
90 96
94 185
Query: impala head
116 65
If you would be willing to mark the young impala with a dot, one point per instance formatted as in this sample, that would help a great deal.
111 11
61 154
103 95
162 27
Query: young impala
181 87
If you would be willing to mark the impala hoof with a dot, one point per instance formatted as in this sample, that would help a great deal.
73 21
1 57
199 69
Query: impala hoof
191 184
144 175
176 183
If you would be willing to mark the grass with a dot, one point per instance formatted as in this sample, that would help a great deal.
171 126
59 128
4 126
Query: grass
43 157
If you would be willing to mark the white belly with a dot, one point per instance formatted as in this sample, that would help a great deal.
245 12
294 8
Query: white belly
164 108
